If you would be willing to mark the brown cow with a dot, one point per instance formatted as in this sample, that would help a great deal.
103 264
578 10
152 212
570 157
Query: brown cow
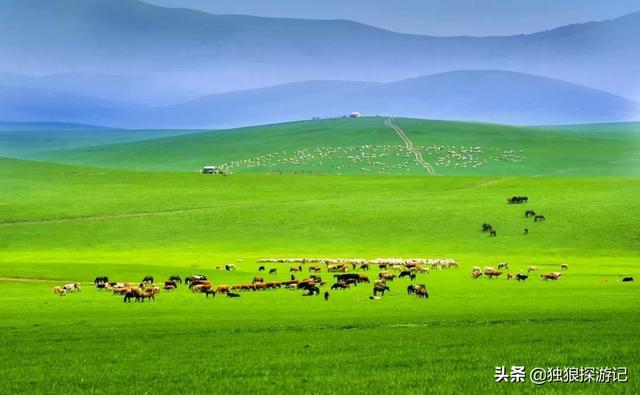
257 279
315 269
492 274
550 276
222 288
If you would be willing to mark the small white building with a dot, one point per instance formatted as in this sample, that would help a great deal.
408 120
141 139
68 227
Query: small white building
211 170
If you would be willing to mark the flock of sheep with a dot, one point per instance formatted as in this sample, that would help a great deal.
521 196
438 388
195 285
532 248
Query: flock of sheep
373 158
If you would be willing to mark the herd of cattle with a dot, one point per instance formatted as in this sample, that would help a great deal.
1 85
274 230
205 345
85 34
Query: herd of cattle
389 270
491 272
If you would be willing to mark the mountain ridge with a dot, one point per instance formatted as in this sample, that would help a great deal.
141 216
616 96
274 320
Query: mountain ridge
480 95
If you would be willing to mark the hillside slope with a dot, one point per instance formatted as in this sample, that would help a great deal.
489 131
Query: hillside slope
369 146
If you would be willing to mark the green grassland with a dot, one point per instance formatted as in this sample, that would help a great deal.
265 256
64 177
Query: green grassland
131 209
368 146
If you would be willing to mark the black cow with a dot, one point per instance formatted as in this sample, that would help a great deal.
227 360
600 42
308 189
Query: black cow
101 279
347 276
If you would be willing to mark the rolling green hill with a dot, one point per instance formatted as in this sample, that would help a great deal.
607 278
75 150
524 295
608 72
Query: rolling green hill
33 140
368 146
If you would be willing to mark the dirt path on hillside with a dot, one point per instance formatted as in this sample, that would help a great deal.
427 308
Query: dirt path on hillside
409 145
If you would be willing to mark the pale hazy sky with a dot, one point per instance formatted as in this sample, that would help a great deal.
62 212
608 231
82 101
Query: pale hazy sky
434 17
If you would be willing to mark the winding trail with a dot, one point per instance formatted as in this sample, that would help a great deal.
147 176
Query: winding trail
409 145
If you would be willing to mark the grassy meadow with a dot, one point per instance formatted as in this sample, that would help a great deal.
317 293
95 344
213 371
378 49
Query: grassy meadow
129 209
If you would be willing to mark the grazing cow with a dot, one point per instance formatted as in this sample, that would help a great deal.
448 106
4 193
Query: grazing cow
382 266
476 274
102 286
521 277
422 293
517 199
232 295
539 218
564 266
257 279
476 268
197 282
417 289
381 289
503 265
487 227
363 279
315 269
509 276
147 280
261 269
386 276
532 269
364 266
312 291
170 286
171 283
130 293
223 289
101 279
347 276
143 294
209 291
492 274
74 287
201 287
293 269
550 276
405 273
529 213
627 279
230 266
176 278
526 231
340 286
493 233
59 291
273 271
195 278
326 295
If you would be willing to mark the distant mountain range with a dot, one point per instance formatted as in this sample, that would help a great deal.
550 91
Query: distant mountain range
116 51
490 96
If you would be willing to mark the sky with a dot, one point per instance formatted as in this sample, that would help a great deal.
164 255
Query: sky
431 17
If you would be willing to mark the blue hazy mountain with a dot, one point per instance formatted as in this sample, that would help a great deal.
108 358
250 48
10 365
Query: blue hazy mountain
492 96
184 53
